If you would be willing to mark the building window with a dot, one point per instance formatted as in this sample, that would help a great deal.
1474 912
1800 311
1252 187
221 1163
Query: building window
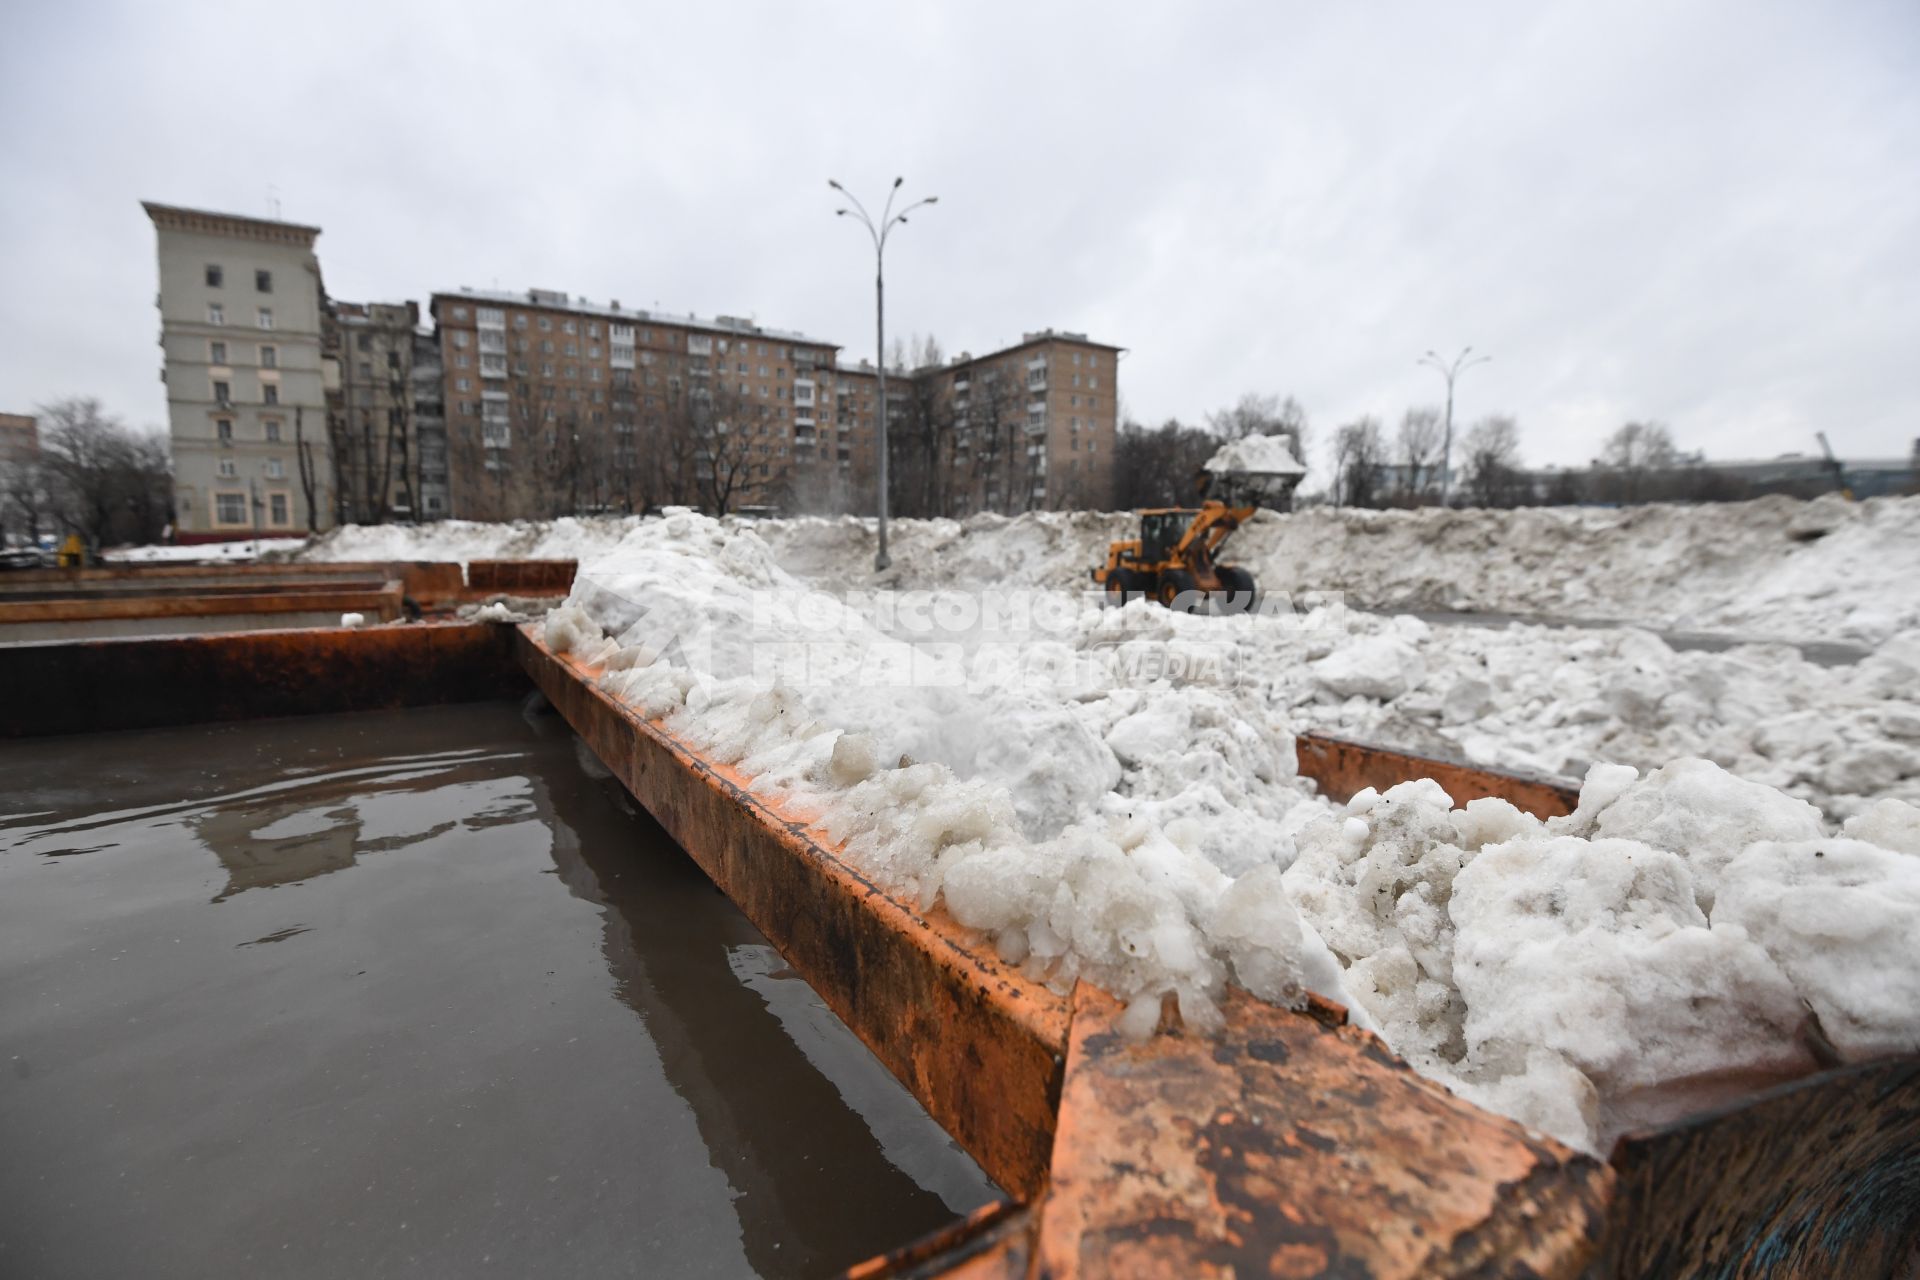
459 337
215 276
223 428
272 426
546 325
366 370
463 384
222 392
276 469
270 393
229 508
225 469
569 327
459 313
263 281
216 314
217 352
520 322
266 317
269 358
278 508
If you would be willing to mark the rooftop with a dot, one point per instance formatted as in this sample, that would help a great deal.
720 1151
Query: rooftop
173 217
557 301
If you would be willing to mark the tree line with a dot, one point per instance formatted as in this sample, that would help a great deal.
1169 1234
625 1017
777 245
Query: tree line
92 476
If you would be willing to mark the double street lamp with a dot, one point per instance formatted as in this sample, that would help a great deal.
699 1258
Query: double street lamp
879 231
1450 370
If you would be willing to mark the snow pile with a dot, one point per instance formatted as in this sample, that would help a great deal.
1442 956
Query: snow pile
1680 939
1775 567
1257 455
1827 569
1132 835
568 538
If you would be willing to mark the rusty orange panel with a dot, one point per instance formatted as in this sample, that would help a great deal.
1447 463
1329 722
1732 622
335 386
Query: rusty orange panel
521 577
1342 767
90 686
1291 1147
980 1046
383 602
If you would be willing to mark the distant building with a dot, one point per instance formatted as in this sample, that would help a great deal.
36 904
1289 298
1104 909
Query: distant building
430 425
240 306
19 437
371 410
555 405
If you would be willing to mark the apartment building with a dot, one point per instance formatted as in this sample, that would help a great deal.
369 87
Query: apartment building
1028 427
430 424
557 405
240 303
19 437
372 411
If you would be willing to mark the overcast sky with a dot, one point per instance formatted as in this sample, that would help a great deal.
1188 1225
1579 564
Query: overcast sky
1707 214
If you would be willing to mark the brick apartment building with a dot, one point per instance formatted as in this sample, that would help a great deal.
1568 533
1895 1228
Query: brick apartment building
556 405
1029 427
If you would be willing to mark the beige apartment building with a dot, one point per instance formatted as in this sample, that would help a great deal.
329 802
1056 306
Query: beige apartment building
556 405
240 316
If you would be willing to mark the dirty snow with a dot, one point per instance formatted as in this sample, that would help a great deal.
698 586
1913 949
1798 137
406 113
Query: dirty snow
1111 794
1734 902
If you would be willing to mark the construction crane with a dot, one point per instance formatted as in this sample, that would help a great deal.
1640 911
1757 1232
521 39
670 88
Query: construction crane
1833 465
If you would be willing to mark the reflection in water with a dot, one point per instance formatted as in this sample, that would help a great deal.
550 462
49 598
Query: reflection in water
433 1064
775 1097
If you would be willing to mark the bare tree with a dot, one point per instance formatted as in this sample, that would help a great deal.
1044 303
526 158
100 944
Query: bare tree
309 471
1419 443
1490 453
106 482
1359 453
1630 457
23 495
1157 466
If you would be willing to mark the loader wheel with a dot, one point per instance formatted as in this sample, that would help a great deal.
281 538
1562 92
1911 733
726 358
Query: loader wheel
1123 585
1179 592
1238 595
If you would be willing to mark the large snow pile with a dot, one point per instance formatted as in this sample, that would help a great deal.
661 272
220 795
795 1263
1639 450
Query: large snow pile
1134 835
1775 567
1112 794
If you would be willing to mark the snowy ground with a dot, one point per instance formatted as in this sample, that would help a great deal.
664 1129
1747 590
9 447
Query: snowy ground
1775 568
212 552
1112 793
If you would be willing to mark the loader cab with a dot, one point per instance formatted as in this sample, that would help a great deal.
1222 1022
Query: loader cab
1161 531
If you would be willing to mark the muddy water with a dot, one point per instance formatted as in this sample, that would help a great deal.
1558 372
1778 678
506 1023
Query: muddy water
412 992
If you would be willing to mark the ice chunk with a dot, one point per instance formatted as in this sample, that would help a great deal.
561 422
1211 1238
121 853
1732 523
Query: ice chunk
1841 917
1382 667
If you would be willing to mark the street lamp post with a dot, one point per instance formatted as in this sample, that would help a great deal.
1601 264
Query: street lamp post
888 221
1450 371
